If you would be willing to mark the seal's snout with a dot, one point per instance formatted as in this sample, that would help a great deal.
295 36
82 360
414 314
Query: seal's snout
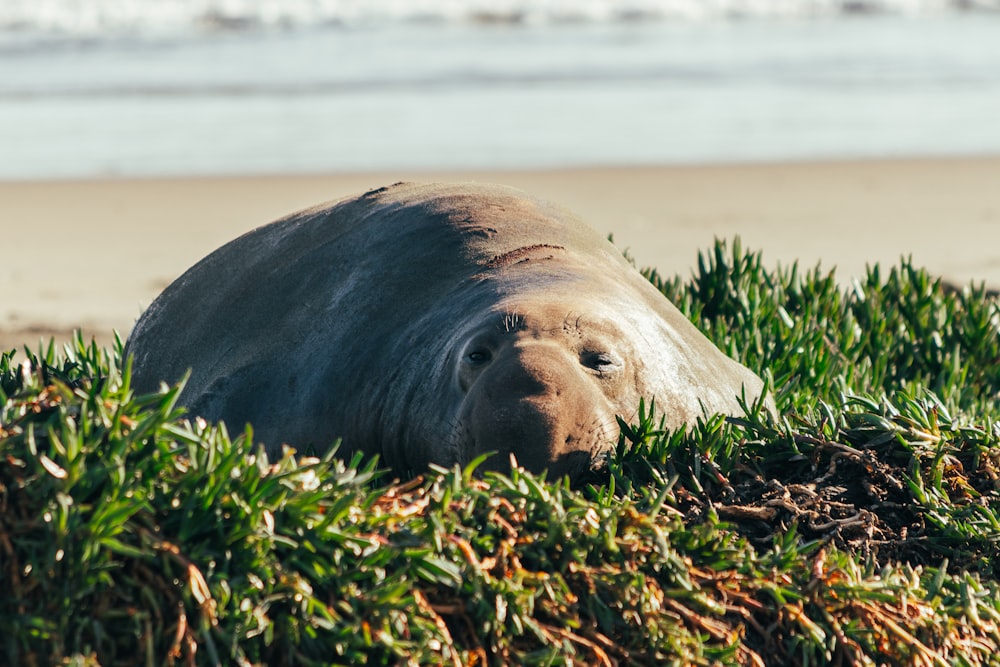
537 402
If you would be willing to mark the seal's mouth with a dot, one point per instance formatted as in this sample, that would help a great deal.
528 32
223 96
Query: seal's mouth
584 468
581 466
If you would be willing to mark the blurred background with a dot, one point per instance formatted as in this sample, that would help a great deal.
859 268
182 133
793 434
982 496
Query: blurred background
93 88
136 136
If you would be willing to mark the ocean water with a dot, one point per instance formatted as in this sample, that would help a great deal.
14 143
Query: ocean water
179 87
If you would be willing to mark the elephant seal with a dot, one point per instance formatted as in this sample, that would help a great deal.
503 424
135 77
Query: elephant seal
431 323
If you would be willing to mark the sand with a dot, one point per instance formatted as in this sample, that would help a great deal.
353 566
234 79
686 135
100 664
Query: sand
93 254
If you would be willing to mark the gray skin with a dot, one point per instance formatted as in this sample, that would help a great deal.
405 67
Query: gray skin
431 324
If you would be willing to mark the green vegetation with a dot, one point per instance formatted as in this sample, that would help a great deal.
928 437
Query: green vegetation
861 526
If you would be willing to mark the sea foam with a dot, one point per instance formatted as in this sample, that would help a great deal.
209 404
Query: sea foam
97 17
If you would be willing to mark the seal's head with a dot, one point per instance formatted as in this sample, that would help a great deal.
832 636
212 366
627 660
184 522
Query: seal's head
542 382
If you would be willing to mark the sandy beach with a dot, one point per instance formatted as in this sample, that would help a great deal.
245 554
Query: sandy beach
93 254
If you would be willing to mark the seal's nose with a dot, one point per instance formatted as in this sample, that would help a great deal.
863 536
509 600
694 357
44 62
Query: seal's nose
534 370
535 402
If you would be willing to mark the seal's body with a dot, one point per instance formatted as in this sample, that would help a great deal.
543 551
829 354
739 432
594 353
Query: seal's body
431 323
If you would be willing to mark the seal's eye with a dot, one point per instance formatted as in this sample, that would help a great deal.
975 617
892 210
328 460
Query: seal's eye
478 356
602 362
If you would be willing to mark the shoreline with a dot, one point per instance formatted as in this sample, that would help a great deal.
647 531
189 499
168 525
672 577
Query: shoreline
92 254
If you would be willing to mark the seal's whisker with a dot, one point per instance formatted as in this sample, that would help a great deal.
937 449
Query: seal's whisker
457 438
512 322
605 430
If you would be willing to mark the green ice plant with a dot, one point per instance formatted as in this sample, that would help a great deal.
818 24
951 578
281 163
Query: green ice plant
857 525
